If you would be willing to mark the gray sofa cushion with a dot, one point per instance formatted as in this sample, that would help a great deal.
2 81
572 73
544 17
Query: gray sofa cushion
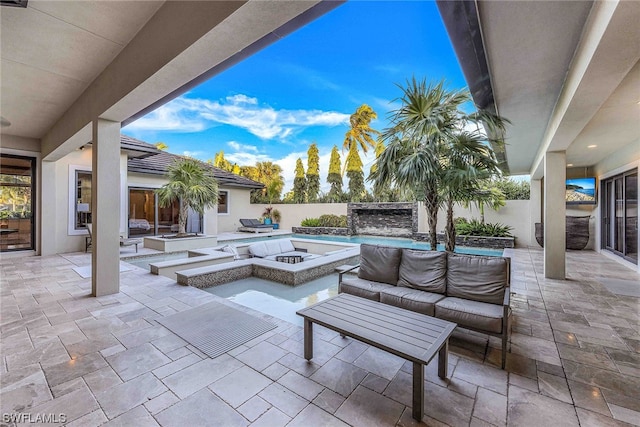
474 314
424 270
363 288
477 278
380 263
411 299
271 247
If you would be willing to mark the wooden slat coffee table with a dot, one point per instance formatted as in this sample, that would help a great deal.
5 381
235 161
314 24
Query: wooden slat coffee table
412 336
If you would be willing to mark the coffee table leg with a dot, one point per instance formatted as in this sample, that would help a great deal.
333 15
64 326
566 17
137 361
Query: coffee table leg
308 339
443 356
418 391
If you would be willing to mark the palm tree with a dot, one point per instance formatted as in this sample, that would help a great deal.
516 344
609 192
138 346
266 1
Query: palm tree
468 163
361 134
192 185
420 139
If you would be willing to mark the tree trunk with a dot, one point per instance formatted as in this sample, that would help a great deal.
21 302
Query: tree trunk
182 220
431 204
450 229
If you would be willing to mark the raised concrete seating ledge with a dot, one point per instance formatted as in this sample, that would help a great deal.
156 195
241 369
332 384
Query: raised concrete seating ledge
169 268
289 274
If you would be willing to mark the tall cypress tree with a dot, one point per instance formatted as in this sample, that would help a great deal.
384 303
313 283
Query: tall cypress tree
335 176
355 175
299 183
313 173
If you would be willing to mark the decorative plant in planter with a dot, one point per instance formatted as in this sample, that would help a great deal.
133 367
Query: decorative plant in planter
276 216
189 183
266 215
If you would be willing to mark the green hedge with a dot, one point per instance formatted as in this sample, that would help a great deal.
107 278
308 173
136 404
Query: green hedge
476 228
325 221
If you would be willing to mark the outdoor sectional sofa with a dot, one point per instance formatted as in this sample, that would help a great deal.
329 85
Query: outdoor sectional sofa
472 291
271 249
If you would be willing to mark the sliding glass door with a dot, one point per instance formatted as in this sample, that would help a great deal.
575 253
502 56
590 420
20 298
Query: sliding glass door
17 195
620 215
147 218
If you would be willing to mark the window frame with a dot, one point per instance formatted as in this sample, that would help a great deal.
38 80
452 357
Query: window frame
228 211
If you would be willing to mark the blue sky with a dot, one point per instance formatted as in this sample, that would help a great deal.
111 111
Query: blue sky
303 88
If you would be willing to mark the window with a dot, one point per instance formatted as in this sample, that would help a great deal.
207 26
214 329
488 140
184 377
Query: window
223 202
17 196
82 212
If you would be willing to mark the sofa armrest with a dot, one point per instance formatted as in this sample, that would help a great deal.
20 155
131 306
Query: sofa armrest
507 297
346 270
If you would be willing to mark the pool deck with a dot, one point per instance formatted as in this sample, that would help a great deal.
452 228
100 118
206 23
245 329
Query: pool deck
574 358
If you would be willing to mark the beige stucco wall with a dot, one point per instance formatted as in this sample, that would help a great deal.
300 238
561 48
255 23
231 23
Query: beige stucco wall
293 214
56 219
239 207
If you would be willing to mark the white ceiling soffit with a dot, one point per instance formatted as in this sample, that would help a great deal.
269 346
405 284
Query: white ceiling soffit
76 68
529 47
565 73
52 50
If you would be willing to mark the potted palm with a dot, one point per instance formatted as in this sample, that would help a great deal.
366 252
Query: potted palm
266 215
191 184
276 217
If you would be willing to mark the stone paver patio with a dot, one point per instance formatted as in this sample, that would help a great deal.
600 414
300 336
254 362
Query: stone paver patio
575 358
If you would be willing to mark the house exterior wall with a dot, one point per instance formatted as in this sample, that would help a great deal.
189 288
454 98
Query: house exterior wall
239 201
57 215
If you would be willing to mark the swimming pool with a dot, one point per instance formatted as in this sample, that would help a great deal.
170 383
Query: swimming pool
400 242
276 299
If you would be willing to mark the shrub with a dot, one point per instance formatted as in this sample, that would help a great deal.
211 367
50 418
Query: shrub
329 220
310 222
513 190
476 228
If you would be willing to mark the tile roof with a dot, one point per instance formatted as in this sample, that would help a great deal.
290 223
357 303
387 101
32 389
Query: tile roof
157 161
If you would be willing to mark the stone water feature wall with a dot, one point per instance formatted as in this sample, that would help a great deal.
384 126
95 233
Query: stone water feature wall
382 219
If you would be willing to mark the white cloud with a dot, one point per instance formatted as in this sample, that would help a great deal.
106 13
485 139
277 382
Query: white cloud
234 145
194 115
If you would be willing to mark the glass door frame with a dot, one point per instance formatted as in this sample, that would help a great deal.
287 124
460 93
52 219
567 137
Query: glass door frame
610 237
32 221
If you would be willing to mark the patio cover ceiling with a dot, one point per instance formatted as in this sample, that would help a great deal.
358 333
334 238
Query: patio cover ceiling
566 73
65 63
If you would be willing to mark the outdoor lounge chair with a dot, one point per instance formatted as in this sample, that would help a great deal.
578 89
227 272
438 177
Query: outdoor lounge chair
254 226
88 241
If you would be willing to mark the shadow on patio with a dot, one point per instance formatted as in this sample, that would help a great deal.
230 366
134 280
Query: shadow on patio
574 357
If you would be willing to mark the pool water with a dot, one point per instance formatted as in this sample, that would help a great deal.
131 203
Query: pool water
400 242
278 300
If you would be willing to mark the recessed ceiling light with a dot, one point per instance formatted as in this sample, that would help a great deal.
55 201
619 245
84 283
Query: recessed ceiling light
569 164
592 146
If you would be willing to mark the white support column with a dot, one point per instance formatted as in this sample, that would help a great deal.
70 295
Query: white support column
105 201
535 208
555 172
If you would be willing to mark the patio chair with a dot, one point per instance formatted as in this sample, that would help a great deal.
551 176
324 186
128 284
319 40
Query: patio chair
130 242
254 226
88 240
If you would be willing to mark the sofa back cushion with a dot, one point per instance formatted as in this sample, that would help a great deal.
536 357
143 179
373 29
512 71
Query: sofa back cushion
477 278
423 270
271 247
380 263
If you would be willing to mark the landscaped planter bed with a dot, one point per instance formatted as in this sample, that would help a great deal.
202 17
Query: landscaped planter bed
473 241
